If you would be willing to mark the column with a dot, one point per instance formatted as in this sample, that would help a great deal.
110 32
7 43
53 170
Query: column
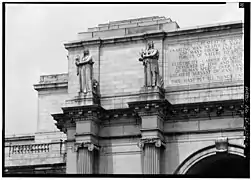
87 158
151 155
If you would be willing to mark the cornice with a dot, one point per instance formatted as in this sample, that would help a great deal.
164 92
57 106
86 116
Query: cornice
44 86
161 108
206 109
20 138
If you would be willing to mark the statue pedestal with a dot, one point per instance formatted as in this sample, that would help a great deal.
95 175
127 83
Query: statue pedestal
82 99
151 93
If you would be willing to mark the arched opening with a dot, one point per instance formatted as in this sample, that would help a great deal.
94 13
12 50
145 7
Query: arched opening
219 165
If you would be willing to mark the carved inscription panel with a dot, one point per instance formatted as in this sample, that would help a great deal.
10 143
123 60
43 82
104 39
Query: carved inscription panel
205 61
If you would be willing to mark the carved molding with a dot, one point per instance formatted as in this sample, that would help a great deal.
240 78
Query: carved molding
208 109
85 113
156 141
150 108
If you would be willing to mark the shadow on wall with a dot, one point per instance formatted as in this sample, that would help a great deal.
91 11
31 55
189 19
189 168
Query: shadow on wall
106 158
110 159
170 156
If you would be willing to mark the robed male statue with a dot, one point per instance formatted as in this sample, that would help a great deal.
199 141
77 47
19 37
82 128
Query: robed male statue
149 57
84 71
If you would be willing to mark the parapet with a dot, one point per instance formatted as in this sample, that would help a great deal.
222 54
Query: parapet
130 26
52 81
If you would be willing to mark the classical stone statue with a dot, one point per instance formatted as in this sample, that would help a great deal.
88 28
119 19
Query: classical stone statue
84 71
150 57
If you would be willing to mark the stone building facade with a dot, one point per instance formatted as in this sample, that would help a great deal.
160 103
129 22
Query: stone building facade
141 96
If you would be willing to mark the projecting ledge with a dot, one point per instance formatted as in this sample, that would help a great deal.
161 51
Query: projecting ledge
50 85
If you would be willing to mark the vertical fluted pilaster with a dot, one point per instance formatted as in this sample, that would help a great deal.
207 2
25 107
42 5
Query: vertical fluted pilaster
85 161
151 155
151 159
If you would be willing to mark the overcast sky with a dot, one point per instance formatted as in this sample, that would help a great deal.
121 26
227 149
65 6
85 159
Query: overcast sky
35 35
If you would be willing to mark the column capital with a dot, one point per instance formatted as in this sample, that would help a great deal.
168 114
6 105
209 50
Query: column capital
156 141
88 145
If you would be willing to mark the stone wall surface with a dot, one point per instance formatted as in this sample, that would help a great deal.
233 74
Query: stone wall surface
117 154
120 70
205 95
48 137
197 125
49 102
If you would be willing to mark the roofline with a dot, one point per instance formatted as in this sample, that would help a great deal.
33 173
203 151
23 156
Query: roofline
210 25
156 33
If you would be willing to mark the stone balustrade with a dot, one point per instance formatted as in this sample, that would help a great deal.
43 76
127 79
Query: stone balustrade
29 148
24 154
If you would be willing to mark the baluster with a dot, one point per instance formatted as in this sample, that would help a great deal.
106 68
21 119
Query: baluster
35 147
42 147
46 147
32 150
24 149
18 149
39 148
29 148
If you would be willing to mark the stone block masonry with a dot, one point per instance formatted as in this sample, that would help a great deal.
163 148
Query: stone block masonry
136 129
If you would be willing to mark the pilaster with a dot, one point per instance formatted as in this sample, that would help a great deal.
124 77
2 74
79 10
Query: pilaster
87 158
81 123
152 111
151 155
